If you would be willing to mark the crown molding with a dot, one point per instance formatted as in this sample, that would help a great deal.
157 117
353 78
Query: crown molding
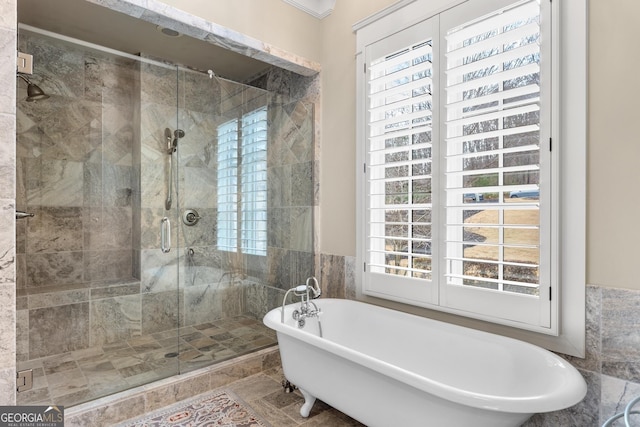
317 8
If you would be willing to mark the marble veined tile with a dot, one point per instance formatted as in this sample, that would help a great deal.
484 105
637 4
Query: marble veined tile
7 325
7 242
8 16
203 233
620 334
154 181
332 275
154 119
279 220
350 277
616 394
58 298
49 329
158 85
108 264
108 228
115 319
8 67
302 187
160 311
54 182
54 229
159 271
133 8
279 179
199 189
7 156
150 227
48 269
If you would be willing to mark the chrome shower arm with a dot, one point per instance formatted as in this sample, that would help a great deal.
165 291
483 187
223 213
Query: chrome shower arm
23 78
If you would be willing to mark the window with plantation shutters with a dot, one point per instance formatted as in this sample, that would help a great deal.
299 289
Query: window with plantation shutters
254 183
496 168
458 163
399 163
227 238
242 184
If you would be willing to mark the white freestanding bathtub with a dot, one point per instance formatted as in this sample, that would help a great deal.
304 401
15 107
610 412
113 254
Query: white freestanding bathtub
388 368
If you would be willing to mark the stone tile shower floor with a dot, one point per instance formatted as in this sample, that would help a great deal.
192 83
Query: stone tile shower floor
79 376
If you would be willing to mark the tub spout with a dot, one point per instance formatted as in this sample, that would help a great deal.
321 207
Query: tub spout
310 290
315 289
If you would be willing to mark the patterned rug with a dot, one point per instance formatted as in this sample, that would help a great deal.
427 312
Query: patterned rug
220 408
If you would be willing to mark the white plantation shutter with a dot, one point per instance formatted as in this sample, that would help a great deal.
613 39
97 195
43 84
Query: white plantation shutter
492 116
254 182
242 184
227 239
399 165
458 166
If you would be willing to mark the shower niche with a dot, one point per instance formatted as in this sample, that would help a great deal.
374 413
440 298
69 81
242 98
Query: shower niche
100 306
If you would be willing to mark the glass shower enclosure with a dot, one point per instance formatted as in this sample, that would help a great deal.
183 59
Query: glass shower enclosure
171 208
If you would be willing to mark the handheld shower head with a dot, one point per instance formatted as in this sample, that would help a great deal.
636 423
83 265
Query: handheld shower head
178 133
172 139
168 137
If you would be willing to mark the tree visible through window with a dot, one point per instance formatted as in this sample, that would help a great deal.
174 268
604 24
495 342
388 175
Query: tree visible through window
457 171
493 151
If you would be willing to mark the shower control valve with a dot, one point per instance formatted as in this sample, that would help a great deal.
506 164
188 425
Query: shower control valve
190 217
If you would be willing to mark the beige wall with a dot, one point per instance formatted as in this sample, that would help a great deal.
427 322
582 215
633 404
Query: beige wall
613 203
614 141
337 160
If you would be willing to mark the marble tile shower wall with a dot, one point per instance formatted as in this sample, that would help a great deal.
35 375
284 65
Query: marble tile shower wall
74 173
293 197
89 260
216 284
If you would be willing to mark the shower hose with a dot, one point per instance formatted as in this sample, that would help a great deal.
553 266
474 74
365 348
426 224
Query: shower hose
627 411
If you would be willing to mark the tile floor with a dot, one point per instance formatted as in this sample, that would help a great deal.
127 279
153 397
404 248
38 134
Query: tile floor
264 393
79 376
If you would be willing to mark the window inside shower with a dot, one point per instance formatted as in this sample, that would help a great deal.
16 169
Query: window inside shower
242 184
101 308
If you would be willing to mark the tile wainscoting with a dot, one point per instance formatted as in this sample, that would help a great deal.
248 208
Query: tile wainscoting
611 367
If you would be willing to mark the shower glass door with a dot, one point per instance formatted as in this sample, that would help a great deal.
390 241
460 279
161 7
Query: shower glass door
172 209
223 225
246 198
97 298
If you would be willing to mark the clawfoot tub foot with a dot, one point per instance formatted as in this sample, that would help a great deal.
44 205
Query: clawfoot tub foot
309 400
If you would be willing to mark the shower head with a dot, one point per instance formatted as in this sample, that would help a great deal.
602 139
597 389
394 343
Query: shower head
34 92
178 133
172 140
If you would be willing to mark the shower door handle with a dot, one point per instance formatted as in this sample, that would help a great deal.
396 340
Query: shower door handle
165 235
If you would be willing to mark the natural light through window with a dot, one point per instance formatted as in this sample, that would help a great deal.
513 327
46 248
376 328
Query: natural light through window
472 130
493 151
242 184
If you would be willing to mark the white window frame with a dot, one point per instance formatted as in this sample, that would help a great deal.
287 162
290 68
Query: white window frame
569 98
